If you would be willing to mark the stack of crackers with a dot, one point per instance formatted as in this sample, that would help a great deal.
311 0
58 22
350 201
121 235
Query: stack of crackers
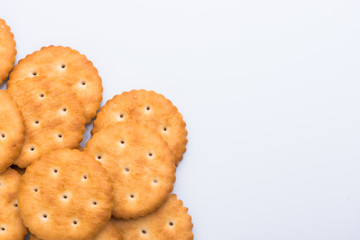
118 187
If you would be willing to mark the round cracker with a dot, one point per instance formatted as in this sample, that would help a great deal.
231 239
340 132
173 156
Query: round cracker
148 108
11 130
65 195
7 50
66 65
140 164
170 222
108 233
54 118
11 226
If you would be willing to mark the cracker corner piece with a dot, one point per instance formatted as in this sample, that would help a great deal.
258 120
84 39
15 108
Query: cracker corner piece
11 226
140 165
108 233
169 222
147 108
12 130
53 117
69 193
67 65
7 50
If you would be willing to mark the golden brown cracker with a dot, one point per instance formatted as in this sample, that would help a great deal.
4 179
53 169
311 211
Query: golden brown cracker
150 109
65 195
170 222
12 130
7 50
54 118
11 226
140 164
108 233
66 65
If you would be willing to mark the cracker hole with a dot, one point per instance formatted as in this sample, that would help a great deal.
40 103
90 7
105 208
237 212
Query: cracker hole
15 205
148 108
127 170
37 122
36 189
155 181
65 196
60 135
85 177
99 157
34 73
41 95
94 203
2 228
122 142
83 83
165 129
75 222
132 196
44 215
64 109
32 149
150 154
121 116
143 231
3 135
63 66
55 171
171 224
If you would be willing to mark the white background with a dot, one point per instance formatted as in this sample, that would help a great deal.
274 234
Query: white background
269 91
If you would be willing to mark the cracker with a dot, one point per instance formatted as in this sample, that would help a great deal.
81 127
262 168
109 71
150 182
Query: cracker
140 164
11 226
54 118
65 195
170 222
11 130
108 233
68 66
7 50
148 108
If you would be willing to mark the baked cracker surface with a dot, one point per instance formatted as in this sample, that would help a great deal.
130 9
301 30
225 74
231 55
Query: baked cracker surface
170 222
12 130
108 233
140 164
53 116
11 226
7 50
148 108
65 195
68 66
